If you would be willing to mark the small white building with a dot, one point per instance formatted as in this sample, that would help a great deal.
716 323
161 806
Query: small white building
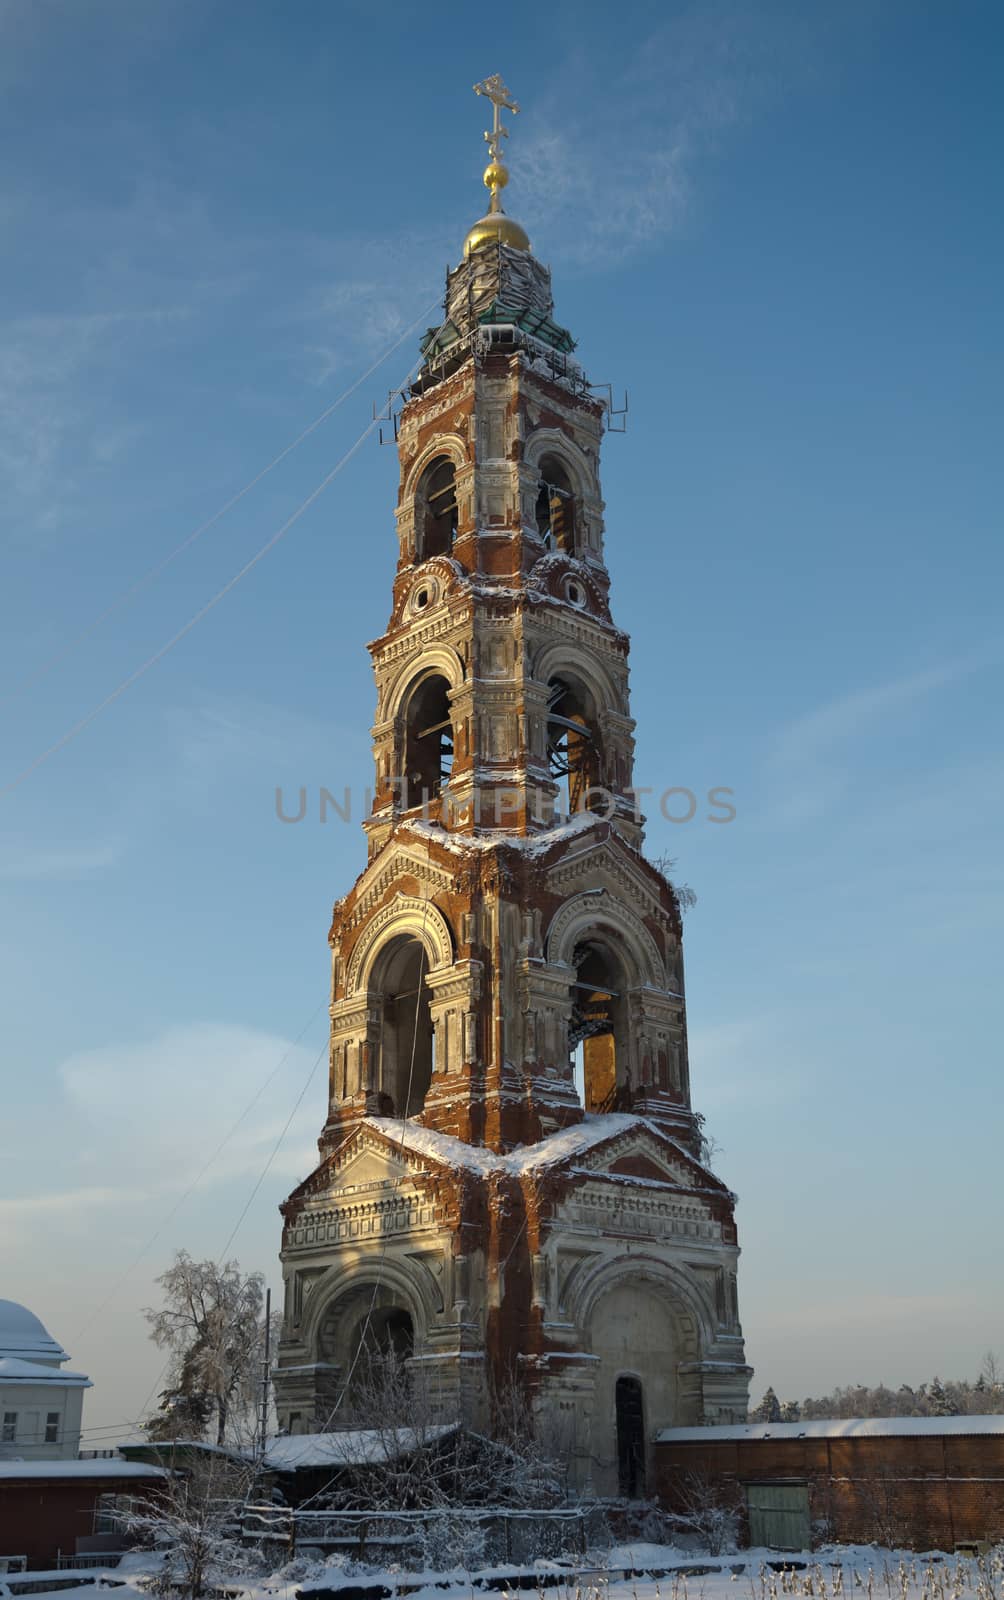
40 1404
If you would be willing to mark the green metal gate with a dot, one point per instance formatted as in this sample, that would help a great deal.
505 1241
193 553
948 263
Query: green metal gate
779 1515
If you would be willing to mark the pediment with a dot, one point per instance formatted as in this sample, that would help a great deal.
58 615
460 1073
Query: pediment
398 860
605 864
643 1155
365 1166
640 1156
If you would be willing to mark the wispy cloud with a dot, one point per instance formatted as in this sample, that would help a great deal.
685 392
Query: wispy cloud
64 1204
617 170
47 427
28 865
809 765
163 1104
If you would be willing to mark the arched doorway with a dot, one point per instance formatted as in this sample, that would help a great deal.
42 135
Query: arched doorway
632 1331
407 1037
629 1413
369 1334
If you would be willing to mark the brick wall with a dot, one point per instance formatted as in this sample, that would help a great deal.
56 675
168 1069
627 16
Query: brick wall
929 1492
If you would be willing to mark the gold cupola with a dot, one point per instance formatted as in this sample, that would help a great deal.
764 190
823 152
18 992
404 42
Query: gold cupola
495 226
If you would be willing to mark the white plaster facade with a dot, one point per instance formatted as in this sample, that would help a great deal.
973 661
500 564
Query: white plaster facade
40 1403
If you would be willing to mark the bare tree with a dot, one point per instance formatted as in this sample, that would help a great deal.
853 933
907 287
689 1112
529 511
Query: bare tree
685 895
191 1524
704 1507
402 1446
212 1323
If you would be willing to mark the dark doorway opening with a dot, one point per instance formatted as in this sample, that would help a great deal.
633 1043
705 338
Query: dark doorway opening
630 1409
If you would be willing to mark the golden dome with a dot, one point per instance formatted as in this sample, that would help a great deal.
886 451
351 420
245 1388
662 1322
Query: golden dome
496 225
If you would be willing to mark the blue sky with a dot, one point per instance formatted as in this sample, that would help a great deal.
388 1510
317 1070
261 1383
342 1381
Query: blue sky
778 226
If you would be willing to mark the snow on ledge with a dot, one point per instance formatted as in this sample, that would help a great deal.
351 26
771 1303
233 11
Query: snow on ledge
14 1370
835 1428
348 1448
80 1469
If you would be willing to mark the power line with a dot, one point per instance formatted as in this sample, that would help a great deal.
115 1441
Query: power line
275 1151
158 655
141 583
113 1291
247 1206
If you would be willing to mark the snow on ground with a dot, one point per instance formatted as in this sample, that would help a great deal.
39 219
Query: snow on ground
634 1571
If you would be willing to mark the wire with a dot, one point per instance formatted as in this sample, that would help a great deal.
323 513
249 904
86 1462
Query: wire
247 1206
158 655
123 599
113 1291
275 1151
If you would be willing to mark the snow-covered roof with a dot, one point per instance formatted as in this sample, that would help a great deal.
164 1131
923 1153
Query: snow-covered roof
13 1370
348 1448
552 1151
22 1335
835 1428
79 1469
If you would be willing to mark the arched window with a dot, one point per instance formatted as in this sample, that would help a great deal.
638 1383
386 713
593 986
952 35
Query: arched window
630 1409
407 1038
436 509
428 744
556 506
572 743
597 1029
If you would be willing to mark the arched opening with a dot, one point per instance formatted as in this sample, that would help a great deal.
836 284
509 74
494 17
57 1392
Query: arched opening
407 1036
597 1028
572 745
633 1332
436 509
428 745
556 507
370 1337
629 1406
385 1343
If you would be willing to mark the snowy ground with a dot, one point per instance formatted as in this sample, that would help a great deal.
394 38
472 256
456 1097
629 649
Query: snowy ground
628 1572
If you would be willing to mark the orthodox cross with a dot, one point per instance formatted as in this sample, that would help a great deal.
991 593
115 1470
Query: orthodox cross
501 98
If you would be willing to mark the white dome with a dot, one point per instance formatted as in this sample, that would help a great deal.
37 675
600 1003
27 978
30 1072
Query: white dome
23 1336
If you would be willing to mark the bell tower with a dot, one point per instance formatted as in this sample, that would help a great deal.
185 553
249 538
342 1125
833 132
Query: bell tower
511 1173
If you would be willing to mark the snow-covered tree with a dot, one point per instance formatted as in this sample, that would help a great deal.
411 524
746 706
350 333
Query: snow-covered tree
212 1323
191 1524
398 1446
769 1409
708 1508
